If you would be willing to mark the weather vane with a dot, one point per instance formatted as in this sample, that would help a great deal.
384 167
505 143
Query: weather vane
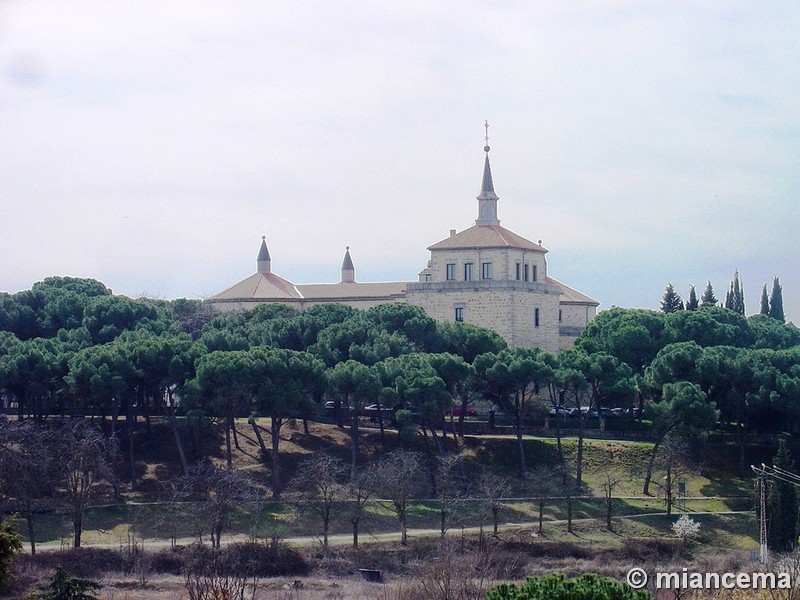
486 147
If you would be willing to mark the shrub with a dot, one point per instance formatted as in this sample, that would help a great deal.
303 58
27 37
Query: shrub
10 544
555 587
62 586
82 562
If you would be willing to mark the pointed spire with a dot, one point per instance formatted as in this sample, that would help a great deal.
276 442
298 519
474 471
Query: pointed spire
348 269
264 261
487 200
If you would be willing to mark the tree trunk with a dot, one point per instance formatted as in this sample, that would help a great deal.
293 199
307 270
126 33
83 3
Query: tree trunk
235 434
176 434
668 490
649 474
429 454
354 446
579 459
257 431
131 448
31 534
495 518
228 449
401 515
541 516
355 533
77 528
522 466
380 425
275 429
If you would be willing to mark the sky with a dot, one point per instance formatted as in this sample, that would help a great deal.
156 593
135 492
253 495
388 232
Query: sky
150 145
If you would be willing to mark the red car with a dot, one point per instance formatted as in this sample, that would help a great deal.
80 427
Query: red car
456 412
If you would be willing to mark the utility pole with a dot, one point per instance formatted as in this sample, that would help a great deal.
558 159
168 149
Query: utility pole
763 472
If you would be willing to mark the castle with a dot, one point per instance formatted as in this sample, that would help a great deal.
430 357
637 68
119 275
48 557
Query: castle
486 275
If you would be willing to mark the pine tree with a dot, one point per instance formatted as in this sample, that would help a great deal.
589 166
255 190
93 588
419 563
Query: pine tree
671 300
692 303
734 299
782 507
776 301
764 301
708 298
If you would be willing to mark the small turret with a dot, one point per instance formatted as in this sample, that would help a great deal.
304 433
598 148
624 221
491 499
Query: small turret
348 269
487 200
264 262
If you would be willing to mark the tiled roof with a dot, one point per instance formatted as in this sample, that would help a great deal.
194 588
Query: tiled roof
486 236
335 291
571 296
261 286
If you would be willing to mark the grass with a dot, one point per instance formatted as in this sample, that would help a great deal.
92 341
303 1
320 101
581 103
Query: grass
718 490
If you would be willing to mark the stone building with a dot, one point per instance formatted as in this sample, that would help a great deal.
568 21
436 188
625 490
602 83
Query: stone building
486 275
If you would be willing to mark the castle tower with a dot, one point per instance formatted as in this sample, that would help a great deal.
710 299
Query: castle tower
348 269
487 200
264 262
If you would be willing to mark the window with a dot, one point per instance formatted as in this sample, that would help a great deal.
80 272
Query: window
459 314
534 272
468 271
427 276
486 270
519 271
526 271
559 316
451 271
535 317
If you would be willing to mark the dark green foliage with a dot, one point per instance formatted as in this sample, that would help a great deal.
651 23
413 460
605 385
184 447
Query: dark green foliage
692 302
708 298
671 301
709 326
764 301
782 505
776 301
632 335
555 587
772 334
10 544
734 299
62 586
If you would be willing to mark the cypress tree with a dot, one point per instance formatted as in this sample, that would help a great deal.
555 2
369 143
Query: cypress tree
708 298
782 507
776 301
692 303
671 300
734 299
764 301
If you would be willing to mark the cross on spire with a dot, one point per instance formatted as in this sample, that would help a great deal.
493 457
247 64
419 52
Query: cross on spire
486 126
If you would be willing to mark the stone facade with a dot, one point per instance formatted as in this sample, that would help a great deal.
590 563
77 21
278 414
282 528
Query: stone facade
486 275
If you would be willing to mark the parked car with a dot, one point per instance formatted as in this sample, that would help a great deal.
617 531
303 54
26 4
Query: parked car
561 413
456 412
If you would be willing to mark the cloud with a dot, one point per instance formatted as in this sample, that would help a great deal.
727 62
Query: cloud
154 143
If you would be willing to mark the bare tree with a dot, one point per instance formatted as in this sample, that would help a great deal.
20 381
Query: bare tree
543 483
28 470
214 492
359 491
673 460
317 488
399 481
610 483
83 462
447 489
493 488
